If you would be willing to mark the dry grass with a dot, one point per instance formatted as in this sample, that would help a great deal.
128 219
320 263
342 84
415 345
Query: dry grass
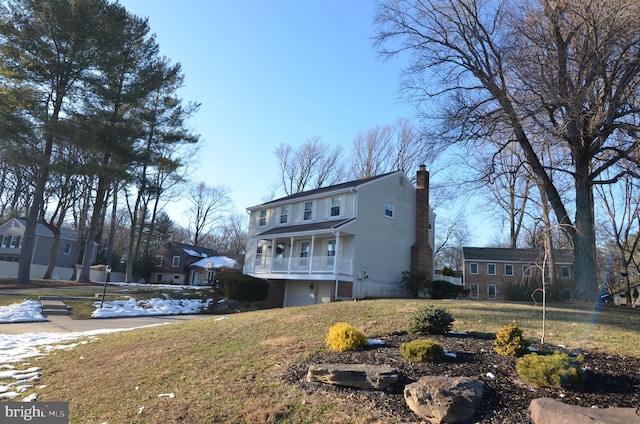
229 370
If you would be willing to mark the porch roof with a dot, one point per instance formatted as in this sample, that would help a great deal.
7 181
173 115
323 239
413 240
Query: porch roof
306 228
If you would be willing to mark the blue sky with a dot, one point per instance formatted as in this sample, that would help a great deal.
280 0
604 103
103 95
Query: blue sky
272 72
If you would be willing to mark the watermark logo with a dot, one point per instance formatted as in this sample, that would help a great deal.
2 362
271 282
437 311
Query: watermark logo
34 412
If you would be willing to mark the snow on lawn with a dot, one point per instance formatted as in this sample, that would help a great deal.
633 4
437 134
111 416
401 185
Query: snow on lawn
18 376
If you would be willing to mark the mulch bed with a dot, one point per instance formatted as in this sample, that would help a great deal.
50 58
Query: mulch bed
612 381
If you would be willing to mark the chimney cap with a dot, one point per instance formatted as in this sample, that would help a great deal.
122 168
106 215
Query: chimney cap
423 167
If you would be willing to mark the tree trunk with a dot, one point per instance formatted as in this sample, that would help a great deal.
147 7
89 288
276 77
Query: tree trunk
87 257
112 227
584 241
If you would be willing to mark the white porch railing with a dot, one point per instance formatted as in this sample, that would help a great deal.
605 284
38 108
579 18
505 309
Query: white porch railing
308 265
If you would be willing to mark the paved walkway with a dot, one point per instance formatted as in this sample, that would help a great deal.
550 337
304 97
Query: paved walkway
64 323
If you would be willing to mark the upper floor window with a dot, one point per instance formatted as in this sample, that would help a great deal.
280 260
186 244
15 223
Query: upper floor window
526 270
175 263
284 214
491 269
508 269
388 209
335 206
308 211
15 241
565 272
158 260
262 218
473 268
67 248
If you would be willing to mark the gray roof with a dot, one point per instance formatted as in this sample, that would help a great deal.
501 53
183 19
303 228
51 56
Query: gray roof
328 189
500 254
65 233
315 226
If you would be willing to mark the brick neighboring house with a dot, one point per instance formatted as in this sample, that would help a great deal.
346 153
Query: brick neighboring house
347 241
173 260
513 274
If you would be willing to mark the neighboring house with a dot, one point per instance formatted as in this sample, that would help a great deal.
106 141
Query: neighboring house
172 264
12 234
513 274
347 241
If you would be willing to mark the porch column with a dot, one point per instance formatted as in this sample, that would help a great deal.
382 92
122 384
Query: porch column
335 263
290 255
272 256
313 243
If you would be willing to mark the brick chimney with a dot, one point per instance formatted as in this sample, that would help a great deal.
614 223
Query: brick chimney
422 251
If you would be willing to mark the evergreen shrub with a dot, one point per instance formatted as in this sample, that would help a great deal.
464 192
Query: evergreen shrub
557 370
245 288
510 342
430 320
425 350
343 337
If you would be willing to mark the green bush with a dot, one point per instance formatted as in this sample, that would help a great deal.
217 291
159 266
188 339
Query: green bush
445 290
342 337
422 351
414 282
430 320
557 370
510 342
246 288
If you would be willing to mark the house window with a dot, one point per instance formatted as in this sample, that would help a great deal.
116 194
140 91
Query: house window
491 269
335 206
308 211
331 252
158 260
491 291
175 263
508 269
526 270
176 278
262 220
6 241
259 253
474 290
473 268
565 272
388 209
158 278
67 248
284 214
15 241
305 249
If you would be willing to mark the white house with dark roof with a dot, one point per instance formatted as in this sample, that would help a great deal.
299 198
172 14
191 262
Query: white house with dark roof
347 241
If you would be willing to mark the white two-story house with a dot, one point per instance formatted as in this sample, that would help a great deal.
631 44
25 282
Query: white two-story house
347 241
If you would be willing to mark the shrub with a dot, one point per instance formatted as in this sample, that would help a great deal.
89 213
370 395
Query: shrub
246 288
422 351
445 290
414 282
552 370
509 341
430 320
343 336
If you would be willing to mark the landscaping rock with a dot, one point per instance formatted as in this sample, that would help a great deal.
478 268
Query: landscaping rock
444 399
551 411
377 377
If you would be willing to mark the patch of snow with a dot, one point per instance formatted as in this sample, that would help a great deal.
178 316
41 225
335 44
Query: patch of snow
491 375
373 342
27 311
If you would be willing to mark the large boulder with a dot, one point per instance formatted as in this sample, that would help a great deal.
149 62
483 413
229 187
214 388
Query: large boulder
551 411
444 399
377 377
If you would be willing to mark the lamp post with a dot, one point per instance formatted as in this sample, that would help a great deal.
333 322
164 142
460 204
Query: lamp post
107 270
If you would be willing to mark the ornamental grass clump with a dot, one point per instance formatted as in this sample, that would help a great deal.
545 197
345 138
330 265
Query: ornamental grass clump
343 337
510 342
430 320
425 350
557 370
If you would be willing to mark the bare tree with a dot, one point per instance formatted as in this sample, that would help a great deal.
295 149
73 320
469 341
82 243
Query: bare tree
312 165
453 235
207 206
568 70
